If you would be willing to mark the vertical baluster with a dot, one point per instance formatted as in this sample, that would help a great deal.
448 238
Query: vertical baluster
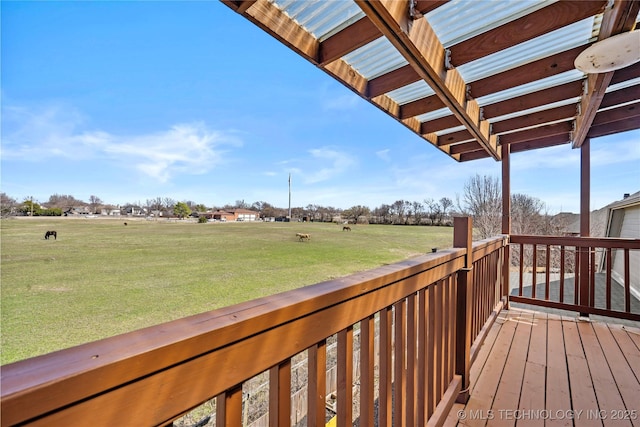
280 395
608 278
411 359
221 410
562 255
546 275
438 340
386 322
345 377
367 374
627 282
445 333
452 321
477 295
421 383
521 269
431 350
576 276
592 276
481 272
452 328
317 392
534 263
229 407
399 377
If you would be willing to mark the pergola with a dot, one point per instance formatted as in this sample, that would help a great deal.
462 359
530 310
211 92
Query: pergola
475 79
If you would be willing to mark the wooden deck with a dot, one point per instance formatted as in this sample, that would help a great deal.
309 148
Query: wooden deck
540 369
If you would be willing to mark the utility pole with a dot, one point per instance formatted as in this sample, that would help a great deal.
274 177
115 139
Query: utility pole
289 196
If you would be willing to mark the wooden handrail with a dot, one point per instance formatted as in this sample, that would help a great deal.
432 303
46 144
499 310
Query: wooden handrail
154 375
584 242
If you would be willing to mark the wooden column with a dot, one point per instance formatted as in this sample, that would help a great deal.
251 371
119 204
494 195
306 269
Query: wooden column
462 238
585 212
506 220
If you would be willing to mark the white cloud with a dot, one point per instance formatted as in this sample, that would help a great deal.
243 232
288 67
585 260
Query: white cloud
188 148
332 163
384 154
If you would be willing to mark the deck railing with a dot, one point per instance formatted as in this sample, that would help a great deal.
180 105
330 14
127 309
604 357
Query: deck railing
577 274
428 313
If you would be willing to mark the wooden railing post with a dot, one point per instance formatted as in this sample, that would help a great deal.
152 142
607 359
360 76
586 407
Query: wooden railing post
462 238
506 221
585 213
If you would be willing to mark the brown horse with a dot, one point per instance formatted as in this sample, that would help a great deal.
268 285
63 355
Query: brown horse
346 228
51 234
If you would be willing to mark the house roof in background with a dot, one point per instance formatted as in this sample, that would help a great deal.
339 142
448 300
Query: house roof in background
468 76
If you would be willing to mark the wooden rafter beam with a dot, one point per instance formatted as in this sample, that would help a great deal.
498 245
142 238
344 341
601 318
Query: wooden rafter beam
539 118
536 144
549 141
543 21
418 44
349 39
466 147
442 123
426 6
421 106
473 155
617 114
527 73
454 138
628 73
534 99
524 102
562 128
620 18
391 81
623 96
616 127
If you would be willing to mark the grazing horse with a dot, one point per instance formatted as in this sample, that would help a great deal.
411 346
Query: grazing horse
303 236
49 234
125 223
346 228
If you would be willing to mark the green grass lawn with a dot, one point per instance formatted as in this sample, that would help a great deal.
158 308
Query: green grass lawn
101 278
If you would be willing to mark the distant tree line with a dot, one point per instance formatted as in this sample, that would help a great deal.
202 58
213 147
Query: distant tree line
481 199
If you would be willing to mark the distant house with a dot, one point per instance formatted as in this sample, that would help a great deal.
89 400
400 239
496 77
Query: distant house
624 222
110 211
235 215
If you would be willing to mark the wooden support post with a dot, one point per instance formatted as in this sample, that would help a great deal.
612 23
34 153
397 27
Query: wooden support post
506 221
462 236
585 202
462 233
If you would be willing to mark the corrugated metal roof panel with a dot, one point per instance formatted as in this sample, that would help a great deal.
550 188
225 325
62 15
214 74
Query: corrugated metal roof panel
411 92
566 77
565 38
459 20
321 18
375 59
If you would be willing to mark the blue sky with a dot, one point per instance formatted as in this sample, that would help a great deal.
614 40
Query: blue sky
130 101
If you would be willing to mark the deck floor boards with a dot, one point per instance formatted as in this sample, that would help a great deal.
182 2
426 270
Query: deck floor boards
539 369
